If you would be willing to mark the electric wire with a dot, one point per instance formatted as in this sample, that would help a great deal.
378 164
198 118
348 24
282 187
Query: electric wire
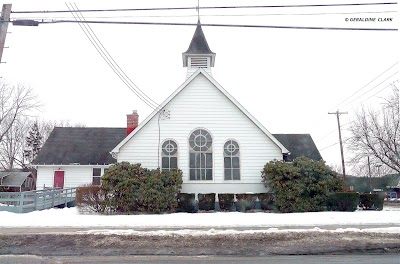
125 76
391 84
108 61
214 15
371 89
206 7
320 139
364 86
214 25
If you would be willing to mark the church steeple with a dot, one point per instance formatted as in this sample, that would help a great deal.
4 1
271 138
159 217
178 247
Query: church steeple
198 54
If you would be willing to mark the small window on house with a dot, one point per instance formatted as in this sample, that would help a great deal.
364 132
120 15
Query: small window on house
28 182
169 155
231 160
96 176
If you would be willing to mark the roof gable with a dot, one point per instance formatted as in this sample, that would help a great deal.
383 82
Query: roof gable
14 178
299 145
217 86
83 145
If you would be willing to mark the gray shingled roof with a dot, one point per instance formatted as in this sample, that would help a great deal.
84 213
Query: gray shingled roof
88 145
83 145
199 44
14 178
299 145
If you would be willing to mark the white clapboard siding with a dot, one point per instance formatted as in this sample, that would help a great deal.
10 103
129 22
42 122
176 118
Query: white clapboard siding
201 105
74 176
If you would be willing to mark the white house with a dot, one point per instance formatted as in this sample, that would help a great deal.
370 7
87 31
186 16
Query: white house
201 129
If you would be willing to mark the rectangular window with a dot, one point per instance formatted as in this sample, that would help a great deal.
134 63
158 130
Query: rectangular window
96 175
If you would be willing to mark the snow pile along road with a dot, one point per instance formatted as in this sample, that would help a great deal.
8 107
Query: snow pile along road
69 217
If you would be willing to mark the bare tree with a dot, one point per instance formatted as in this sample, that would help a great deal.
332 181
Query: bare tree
375 133
13 143
15 102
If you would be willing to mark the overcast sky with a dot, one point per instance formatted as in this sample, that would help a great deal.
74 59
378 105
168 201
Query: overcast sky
289 79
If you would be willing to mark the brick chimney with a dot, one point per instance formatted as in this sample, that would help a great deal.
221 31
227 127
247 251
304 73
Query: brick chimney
132 121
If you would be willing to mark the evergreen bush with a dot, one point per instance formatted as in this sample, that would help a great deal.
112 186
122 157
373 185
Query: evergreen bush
206 201
343 201
186 202
246 202
225 201
300 186
372 201
130 188
266 201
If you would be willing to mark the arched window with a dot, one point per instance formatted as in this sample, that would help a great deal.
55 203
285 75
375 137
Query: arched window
200 155
169 155
231 160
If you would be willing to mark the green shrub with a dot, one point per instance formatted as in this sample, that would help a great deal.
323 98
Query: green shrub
131 188
372 201
266 201
300 186
186 202
343 201
246 202
90 199
206 201
225 201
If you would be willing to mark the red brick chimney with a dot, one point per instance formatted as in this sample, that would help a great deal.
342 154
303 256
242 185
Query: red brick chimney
132 121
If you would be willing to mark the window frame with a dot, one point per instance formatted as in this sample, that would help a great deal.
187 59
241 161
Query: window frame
209 151
95 176
236 155
163 155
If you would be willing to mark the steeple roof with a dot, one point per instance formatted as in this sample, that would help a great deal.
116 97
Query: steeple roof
199 44
198 47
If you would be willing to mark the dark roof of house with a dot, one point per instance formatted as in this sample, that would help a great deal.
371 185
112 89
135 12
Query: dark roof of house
299 145
199 44
83 145
14 178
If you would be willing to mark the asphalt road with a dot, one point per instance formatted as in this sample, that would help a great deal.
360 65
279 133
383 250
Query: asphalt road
326 259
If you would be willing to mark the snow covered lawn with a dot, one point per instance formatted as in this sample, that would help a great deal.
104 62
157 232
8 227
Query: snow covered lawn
69 217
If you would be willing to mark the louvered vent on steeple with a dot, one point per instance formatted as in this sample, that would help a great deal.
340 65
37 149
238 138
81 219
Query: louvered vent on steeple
199 62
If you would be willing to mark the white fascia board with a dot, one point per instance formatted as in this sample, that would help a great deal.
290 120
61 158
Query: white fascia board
219 87
244 111
157 110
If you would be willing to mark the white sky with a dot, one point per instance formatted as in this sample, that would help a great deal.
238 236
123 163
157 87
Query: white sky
387 220
289 79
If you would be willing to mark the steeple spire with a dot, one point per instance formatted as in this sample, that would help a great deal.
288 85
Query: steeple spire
199 54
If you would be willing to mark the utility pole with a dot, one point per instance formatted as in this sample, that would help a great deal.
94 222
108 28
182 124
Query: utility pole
337 113
4 20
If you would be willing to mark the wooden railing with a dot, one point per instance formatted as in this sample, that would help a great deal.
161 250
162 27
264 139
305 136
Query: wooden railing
23 202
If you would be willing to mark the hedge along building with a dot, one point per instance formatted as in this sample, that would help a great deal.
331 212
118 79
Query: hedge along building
200 129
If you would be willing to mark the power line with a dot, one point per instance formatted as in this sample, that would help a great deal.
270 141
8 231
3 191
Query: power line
217 15
365 86
143 96
371 88
330 133
205 7
212 25
391 84
108 59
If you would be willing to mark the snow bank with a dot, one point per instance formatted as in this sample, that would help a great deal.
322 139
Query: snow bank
69 217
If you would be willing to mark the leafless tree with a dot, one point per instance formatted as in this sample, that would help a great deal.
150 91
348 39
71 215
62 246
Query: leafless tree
13 143
375 133
16 101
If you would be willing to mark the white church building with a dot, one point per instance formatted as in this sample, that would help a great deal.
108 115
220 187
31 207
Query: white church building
200 128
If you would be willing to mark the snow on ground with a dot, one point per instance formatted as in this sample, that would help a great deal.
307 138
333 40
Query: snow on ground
387 220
